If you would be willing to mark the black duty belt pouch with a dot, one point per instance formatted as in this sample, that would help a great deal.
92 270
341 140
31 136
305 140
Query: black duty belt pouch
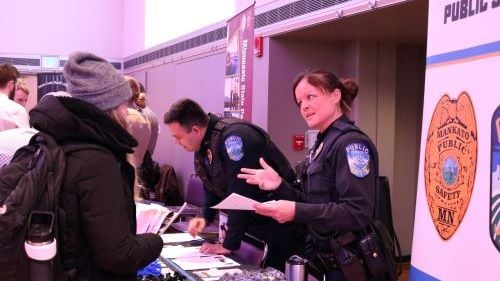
373 254
348 261
387 247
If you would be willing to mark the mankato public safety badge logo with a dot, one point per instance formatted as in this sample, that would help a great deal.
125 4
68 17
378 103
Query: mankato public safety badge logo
495 179
450 162
358 158
234 147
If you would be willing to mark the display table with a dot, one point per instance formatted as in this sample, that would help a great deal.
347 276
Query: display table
237 273
181 254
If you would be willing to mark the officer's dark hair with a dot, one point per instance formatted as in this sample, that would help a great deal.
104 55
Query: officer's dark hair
187 113
8 73
327 81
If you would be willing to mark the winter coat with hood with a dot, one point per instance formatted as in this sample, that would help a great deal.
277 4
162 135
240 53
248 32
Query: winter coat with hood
97 220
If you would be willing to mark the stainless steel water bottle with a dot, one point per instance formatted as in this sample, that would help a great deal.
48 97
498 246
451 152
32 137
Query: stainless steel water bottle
296 269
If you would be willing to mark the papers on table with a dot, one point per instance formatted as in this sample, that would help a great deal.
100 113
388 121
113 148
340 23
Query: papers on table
179 251
190 258
204 261
176 238
150 217
215 274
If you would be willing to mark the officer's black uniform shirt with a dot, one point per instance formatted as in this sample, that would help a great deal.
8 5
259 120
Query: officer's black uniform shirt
238 146
340 181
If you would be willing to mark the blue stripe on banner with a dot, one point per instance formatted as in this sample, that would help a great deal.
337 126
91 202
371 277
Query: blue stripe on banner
465 53
418 275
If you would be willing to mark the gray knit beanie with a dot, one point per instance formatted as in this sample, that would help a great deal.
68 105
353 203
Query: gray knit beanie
92 79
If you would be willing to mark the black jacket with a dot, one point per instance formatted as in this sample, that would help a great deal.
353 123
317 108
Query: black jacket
97 224
228 145
340 182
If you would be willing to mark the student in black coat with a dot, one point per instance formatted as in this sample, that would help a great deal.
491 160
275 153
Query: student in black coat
97 222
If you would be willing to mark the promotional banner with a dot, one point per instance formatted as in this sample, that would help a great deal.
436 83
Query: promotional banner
50 82
239 65
495 179
456 231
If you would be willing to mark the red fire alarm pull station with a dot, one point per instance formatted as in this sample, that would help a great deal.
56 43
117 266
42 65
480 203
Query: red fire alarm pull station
258 48
299 142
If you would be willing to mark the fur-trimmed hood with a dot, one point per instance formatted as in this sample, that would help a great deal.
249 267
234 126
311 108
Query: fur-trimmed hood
70 120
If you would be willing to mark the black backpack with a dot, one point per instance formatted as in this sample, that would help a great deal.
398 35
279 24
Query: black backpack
30 182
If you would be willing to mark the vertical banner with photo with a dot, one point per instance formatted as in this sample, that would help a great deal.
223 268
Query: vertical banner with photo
50 82
239 65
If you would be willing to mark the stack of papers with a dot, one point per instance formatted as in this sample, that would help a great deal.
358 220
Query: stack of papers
176 238
215 274
204 261
179 251
150 217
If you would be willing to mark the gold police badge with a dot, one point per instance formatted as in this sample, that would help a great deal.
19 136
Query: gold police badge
450 162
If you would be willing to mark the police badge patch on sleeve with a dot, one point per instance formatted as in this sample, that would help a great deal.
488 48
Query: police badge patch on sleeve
358 157
234 147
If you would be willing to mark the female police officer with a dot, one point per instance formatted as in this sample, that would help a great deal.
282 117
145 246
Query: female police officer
340 172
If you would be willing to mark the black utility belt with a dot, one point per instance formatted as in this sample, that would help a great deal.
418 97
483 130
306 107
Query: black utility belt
345 259
354 256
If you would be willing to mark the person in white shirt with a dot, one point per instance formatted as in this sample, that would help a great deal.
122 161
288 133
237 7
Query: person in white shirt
12 115
20 95
11 140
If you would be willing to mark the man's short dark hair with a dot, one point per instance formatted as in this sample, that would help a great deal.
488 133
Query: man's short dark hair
187 113
7 73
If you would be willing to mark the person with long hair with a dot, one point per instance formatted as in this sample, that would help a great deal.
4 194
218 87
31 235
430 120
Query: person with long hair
96 214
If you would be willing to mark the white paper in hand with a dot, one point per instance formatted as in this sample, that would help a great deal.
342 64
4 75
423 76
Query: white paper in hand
150 217
236 202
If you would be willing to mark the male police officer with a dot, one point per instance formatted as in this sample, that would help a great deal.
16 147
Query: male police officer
222 147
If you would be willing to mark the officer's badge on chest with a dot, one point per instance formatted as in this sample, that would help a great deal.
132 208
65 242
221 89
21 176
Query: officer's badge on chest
234 147
358 157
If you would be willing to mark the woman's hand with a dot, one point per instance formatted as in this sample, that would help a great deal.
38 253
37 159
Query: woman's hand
281 210
218 249
266 178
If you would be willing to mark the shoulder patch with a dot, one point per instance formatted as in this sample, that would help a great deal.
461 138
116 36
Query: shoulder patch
358 157
234 147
